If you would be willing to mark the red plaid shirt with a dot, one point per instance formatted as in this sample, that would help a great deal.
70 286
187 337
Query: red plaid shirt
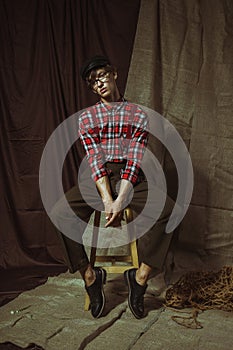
114 133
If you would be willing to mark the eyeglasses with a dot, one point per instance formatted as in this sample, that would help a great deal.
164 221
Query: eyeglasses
102 77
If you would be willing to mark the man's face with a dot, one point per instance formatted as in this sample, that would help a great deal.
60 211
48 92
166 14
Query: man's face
103 82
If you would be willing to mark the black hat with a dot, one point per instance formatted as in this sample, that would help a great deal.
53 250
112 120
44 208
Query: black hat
93 63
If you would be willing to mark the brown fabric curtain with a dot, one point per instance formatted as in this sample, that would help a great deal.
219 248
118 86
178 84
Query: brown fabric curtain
43 45
182 66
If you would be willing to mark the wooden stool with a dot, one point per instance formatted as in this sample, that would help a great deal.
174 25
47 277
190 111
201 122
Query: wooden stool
129 261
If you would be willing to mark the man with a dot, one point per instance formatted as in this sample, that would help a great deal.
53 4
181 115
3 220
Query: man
114 134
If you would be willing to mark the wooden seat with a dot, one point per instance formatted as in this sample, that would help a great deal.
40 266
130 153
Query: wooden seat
116 263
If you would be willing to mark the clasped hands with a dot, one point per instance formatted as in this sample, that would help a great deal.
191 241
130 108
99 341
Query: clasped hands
113 213
113 208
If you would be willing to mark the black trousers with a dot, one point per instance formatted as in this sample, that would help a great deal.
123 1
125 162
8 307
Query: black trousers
84 198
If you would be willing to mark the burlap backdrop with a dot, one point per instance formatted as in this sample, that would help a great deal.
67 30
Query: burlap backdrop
182 67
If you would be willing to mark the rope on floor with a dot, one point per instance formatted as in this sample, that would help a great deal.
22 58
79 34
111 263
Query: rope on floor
201 290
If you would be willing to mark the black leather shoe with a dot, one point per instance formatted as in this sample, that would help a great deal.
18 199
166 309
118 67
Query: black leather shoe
136 293
96 292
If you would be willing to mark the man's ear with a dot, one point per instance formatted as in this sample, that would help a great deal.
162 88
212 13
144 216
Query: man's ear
114 72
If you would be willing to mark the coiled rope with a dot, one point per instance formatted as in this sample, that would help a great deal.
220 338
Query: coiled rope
201 290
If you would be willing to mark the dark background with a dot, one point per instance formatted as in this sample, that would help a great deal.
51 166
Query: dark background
43 45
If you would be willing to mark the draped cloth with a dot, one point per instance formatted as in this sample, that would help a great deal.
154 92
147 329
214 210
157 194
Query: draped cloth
182 66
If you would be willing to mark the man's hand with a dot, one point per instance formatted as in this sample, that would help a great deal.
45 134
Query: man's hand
113 209
114 214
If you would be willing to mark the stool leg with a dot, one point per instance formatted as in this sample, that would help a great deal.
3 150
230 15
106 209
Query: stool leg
87 302
95 237
93 252
133 244
128 219
134 254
